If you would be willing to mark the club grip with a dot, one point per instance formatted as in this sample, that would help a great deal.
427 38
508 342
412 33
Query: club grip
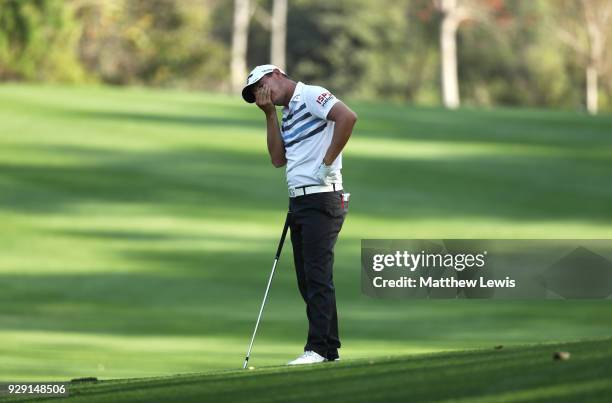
282 240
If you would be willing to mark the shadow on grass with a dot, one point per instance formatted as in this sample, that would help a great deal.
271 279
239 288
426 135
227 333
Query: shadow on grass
175 180
498 126
222 300
169 119
190 182
501 127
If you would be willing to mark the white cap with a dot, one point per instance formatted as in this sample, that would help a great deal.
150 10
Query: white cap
255 75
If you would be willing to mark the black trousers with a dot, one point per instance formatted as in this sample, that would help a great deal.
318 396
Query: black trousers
316 221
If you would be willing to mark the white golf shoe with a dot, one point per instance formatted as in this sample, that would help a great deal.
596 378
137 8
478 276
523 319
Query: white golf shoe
309 357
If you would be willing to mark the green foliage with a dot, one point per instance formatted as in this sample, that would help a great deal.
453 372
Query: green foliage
359 48
519 63
160 42
38 41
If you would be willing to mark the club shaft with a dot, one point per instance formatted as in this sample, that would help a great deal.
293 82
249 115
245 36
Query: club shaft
263 304
265 298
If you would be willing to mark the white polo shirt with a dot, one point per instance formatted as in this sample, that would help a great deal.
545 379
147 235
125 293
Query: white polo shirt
307 134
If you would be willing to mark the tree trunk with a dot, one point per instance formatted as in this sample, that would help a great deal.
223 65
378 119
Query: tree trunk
596 24
448 54
279 33
239 43
591 89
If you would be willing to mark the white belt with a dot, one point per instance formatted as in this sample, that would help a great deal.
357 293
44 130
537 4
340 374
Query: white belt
306 190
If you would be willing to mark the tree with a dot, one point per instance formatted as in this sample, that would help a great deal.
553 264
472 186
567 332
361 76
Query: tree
279 33
240 34
276 24
585 27
453 13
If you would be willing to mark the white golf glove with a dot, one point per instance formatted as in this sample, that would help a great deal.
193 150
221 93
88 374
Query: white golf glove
325 175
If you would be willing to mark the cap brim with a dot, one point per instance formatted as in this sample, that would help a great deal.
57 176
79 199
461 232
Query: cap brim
247 94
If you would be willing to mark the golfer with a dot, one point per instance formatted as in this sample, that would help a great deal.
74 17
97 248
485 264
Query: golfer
315 128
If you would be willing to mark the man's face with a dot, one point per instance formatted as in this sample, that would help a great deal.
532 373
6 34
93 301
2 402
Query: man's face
273 82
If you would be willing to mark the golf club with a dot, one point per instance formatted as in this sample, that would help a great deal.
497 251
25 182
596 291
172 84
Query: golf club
263 304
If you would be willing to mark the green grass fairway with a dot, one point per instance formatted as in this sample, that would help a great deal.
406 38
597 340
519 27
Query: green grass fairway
138 228
515 374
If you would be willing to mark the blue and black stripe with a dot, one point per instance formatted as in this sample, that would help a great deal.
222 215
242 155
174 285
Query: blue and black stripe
317 130
296 121
301 129
290 116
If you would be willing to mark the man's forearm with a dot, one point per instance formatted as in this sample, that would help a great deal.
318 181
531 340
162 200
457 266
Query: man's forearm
276 148
342 132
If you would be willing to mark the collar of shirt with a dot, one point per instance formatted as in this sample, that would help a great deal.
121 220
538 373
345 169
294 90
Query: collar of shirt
297 92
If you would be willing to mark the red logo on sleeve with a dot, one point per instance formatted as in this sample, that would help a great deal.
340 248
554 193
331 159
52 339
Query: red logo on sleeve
324 98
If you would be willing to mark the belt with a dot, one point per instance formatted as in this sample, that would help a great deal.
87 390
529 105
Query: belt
306 190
